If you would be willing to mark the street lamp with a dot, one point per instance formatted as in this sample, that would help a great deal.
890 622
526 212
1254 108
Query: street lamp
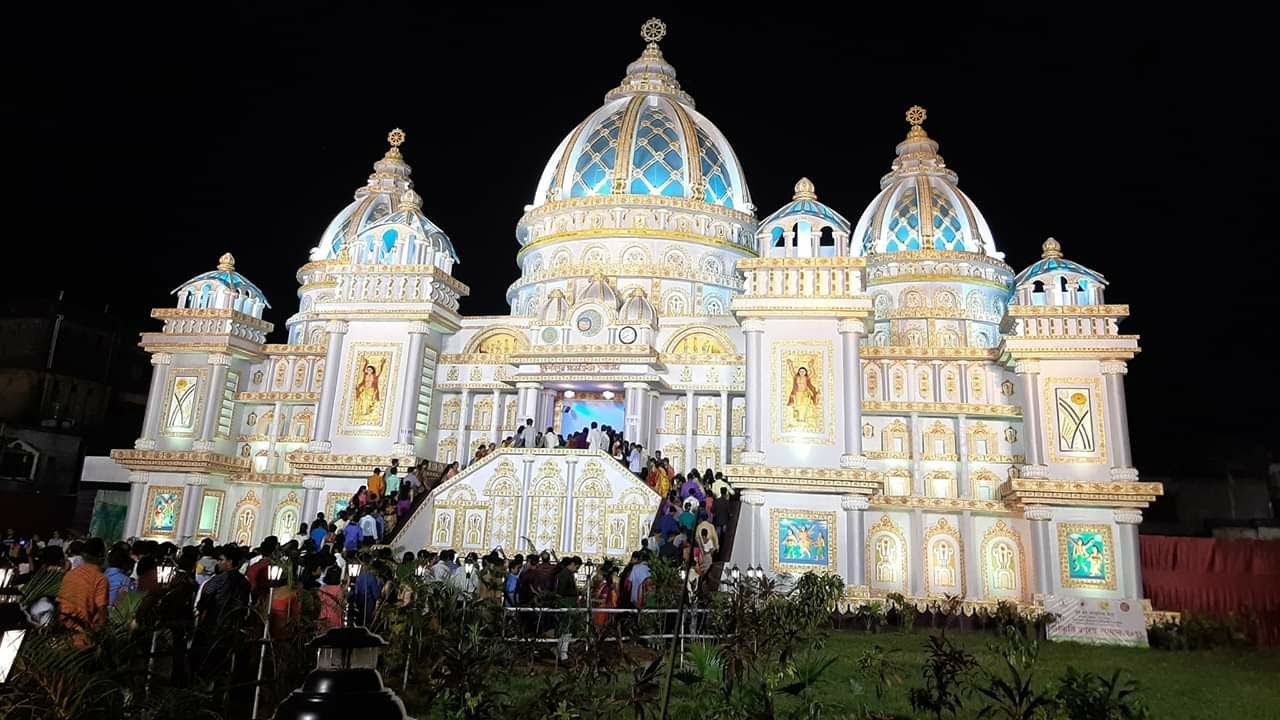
345 683
354 568
734 573
165 571
13 623
275 572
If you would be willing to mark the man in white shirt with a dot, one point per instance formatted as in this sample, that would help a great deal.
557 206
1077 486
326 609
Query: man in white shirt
596 438
633 460
550 439
525 438
368 527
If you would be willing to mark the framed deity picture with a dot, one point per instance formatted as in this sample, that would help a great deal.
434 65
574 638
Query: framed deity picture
163 505
803 408
369 389
1086 556
802 541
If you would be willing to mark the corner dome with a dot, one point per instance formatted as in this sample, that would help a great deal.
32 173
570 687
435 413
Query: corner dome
384 224
804 227
920 206
556 309
646 139
1055 280
222 288
599 290
637 310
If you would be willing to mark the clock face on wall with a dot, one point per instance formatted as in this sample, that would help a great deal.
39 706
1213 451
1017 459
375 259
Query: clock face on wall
590 322
627 335
550 335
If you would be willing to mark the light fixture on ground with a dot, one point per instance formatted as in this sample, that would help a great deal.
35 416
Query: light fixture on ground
13 623
345 683
275 576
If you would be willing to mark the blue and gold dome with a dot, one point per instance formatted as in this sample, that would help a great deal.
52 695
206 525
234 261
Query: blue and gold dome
920 207
646 139
384 224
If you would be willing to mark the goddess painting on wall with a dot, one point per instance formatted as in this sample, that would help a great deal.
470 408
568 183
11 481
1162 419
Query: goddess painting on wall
367 395
162 510
370 372
804 398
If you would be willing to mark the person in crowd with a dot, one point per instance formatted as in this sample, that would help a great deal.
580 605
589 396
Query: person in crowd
85 593
119 571
377 484
512 581
319 530
41 590
639 582
369 525
604 593
256 575
403 505
352 534
635 462
220 610
331 601
596 439
392 478
550 439
566 589
452 470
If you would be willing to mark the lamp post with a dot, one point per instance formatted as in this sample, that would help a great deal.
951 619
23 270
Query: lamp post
13 623
275 572
354 568
165 571
345 683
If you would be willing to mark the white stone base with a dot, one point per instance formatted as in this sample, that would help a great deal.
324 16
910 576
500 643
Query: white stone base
1035 472
319 446
1124 474
141 444
853 462
752 458
202 446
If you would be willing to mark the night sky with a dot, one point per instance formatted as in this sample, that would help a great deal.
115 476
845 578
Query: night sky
139 145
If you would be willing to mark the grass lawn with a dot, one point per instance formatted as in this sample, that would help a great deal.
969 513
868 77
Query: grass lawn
1204 685
1234 684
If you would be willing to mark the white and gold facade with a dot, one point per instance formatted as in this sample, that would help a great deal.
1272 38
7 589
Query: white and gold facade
897 405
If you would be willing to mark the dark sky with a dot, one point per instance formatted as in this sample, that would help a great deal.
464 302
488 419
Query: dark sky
139 145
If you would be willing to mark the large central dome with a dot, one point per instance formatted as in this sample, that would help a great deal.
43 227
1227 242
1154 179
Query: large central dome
647 139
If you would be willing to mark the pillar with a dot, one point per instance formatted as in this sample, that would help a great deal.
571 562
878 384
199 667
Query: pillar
155 401
634 399
192 501
495 418
690 419
855 523
850 332
964 488
527 402
753 509
407 417
323 430
1113 373
567 527
1127 521
724 428
218 363
311 487
917 445
137 496
757 404
1035 467
654 413
464 429
973 580
916 554
1044 565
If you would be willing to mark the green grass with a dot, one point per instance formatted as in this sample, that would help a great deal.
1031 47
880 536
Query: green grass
1198 685
1204 685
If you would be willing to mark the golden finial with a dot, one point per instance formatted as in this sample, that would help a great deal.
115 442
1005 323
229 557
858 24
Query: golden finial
916 115
1052 249
227 262
411 199
395 137
804 190
653 30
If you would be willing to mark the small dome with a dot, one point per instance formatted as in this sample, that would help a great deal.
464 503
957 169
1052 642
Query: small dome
1055 280
555 311
920 207
385 216
222 288
804 213
599 290
637 310
646 139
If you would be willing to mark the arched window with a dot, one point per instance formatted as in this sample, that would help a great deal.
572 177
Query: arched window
826 243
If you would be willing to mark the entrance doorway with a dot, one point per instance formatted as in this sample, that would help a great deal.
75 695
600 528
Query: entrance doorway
579 412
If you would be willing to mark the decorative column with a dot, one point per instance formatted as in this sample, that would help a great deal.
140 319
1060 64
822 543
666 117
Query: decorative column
567 527
918 554
527 402
964 488
757 403
850 331
546 416
655 420
495 420
407 417
1130 554
1040 518
724 427
855 524
137 496
973 580
690 418
155 401
1122 470
218 363
464 430
916 445
192 501
311 487
1035 467
753 512
633 418
323 430
276 411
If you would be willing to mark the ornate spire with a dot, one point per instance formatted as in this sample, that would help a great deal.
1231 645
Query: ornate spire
651 73
227 263
918 153
1051 249
804 190
391 169
410 200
